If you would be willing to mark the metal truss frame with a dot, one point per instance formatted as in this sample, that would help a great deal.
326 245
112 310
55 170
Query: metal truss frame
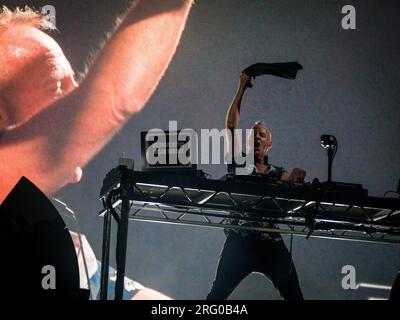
180 203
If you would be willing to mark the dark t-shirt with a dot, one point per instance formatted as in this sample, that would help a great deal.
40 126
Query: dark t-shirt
275 173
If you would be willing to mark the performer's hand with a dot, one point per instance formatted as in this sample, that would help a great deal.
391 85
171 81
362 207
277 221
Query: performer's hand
297 175
245 81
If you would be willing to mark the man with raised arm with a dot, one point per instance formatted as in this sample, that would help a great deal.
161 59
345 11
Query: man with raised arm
245 251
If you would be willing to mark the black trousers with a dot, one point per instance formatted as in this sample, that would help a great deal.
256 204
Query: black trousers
243 255
395 293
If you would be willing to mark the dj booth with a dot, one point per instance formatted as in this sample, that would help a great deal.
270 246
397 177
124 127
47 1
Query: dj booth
331 211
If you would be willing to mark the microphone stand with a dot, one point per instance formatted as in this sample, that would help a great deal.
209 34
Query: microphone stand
331 154
330 142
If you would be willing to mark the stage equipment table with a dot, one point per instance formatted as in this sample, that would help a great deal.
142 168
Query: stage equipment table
309 210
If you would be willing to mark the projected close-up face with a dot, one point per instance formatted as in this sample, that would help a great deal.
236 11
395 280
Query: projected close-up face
34 74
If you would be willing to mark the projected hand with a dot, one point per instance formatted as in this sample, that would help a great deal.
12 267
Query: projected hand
297 175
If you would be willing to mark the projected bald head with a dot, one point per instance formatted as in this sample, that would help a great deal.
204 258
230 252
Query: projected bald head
34 70
48 132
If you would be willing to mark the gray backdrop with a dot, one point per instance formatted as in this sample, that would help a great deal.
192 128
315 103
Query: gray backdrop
348 88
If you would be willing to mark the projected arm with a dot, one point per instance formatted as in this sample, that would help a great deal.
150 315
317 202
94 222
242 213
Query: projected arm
51 147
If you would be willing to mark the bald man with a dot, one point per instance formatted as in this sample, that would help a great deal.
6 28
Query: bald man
51 127
246 251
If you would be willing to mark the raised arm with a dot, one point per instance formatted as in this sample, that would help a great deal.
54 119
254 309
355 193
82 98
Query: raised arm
51 147
233 114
